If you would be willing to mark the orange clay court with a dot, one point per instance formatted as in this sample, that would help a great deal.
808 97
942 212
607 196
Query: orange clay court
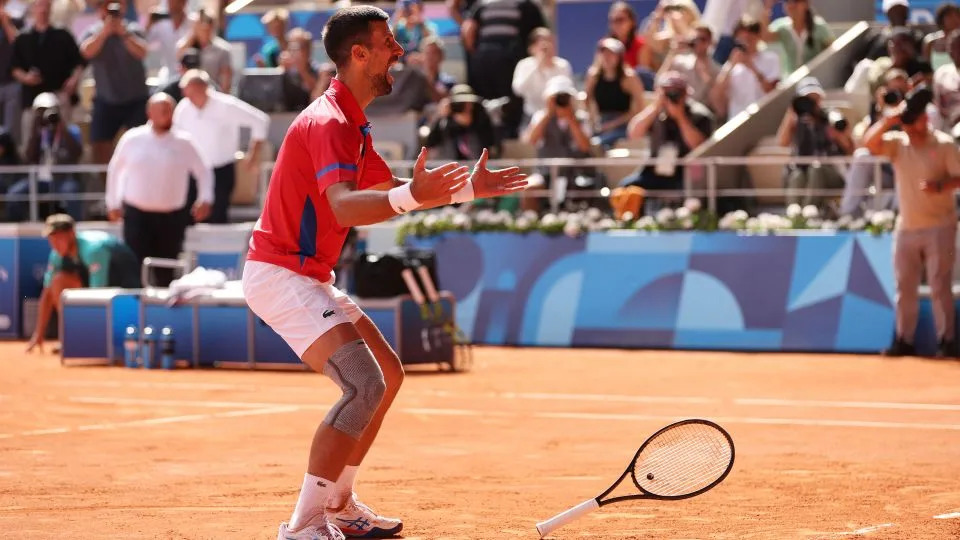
827 447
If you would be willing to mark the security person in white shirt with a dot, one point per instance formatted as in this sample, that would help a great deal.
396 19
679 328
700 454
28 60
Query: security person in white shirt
214 119
147 183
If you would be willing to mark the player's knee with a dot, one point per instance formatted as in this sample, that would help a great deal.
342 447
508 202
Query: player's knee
354 369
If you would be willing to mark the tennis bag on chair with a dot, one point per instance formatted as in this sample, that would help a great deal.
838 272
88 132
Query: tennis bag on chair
379 275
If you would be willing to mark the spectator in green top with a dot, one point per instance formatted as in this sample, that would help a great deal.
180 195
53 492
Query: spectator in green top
77 260
802 33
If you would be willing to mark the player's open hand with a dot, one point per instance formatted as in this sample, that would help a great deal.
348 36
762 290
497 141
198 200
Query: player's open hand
487 183
434 184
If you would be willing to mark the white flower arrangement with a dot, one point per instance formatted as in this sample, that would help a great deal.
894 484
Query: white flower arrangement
689 217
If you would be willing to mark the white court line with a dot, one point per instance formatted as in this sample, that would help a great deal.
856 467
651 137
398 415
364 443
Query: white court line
755 420
543 396
153 421
252 408
864 530
951 515
848 404
163 402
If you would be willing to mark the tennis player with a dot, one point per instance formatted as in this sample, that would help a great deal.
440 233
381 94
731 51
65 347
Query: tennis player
328 177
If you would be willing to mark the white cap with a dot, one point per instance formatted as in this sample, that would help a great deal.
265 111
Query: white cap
810 85
561 84
46 100
888 4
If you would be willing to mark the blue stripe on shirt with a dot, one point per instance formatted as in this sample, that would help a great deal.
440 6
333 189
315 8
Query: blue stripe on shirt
335 166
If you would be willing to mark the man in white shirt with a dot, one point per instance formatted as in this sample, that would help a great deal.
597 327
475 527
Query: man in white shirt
749 73
214 119
164 31
532 73
946 85
147 181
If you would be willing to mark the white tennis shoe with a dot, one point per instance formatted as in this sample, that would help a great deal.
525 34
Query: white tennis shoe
318 528
358 520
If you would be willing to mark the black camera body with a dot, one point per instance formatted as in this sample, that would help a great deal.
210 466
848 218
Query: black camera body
804 106
113 9
563 99
739 46
892 97
675 95
50 117
916 104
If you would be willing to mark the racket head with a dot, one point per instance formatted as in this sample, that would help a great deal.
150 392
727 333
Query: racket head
709 453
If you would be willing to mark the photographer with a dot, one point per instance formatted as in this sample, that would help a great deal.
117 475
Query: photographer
463 128
676 124
164 29
692 58
115 49
46 59
749 73
560 130
52 142
811 131
860 175
926 165
214 51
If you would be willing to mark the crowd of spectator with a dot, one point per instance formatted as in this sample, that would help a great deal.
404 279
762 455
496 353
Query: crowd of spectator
670 78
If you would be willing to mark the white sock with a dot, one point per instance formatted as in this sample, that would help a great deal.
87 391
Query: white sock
313 500
344 487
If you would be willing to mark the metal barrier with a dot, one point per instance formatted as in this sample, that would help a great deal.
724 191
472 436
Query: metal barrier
706 187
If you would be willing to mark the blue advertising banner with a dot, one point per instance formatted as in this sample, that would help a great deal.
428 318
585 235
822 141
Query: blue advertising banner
9 297
818 292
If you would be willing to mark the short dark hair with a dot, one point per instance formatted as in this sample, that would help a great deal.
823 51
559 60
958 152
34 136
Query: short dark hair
943 10
348 27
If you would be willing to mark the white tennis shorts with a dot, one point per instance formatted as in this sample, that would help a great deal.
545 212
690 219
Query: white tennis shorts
298 308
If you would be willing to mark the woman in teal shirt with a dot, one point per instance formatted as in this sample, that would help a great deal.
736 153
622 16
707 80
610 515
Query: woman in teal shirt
802 33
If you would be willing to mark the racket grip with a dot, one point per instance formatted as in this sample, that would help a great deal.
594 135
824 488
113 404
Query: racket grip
415 291
428 286
559 520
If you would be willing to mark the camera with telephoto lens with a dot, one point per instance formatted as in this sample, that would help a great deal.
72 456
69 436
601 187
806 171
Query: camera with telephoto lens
675 95
562 100
892 97
113 9
51 117
805 106
916 104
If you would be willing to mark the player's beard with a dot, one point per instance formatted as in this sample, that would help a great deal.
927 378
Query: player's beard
381 81
381 84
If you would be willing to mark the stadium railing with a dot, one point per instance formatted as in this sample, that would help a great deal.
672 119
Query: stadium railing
701 179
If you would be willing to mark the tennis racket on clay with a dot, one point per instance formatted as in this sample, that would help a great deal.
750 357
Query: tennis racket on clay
463 348
680 461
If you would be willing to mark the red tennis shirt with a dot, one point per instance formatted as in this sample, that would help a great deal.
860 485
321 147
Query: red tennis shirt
328 142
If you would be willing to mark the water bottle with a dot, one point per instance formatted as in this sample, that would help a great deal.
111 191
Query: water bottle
147 354
130 347
167 360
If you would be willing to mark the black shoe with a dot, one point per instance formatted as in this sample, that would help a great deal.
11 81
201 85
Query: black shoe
899 347
947 349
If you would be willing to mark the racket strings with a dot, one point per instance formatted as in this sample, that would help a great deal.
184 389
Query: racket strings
682 460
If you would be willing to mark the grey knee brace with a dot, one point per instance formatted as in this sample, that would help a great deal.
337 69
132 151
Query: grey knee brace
357 373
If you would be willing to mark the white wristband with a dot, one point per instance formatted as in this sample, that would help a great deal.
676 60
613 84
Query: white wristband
401 199
464 194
